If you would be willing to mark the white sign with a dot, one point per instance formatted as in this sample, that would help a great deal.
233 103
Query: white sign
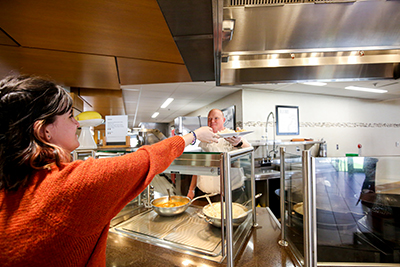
287 120
116 129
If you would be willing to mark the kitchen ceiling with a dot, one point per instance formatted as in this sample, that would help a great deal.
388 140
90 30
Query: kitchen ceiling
127 57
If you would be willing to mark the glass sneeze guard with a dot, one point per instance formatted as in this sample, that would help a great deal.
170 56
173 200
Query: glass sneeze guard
193 232
352 217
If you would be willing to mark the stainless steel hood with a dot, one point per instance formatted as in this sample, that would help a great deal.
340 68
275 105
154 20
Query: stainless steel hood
263 41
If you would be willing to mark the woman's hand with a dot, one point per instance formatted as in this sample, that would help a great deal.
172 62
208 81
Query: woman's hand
205 134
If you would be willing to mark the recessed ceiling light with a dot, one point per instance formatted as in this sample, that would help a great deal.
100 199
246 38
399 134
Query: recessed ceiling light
167 102
316 83
364 89
155 114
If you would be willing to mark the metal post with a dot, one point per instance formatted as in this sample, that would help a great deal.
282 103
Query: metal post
228 210
222 174
217 29
253 191
282 194
148 196
309 214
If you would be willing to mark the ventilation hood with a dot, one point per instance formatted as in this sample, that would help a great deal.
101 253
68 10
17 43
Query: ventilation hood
263 41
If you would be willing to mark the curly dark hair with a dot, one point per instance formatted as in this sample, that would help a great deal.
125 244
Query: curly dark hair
27 104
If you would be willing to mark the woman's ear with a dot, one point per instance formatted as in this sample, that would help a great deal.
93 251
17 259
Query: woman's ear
42 132
47 132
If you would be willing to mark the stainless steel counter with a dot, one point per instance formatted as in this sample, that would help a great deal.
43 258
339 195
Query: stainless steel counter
261 250
266 173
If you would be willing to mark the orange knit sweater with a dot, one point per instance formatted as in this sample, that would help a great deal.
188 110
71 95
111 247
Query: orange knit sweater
62 217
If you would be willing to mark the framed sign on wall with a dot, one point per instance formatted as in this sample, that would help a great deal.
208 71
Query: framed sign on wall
230 116
287 120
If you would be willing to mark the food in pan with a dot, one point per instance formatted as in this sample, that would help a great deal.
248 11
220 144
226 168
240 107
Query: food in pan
166 206
214 210
170 204
241 130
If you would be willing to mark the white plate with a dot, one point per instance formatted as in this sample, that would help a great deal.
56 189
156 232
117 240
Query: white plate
225 135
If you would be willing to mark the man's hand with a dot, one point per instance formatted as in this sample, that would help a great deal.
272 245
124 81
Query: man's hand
234 140
190 194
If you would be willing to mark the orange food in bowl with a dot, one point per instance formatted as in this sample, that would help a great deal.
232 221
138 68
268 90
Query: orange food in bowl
170 204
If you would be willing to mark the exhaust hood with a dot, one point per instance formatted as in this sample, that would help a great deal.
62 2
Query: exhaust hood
267 41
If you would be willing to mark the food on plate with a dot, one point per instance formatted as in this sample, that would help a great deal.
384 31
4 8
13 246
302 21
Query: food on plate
88 115
214 210
226 130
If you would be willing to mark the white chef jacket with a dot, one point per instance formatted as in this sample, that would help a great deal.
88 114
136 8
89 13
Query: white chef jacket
211 184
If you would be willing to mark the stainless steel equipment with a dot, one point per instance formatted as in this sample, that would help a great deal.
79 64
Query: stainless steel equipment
187 232
184 125
237 219
299 41
259 41
267 159
216 220
173 210
149 136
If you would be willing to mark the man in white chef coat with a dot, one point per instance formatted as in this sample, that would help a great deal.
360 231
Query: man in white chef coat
211 184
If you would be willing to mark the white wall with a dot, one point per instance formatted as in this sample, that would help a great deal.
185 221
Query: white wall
341 121
338 120
233 99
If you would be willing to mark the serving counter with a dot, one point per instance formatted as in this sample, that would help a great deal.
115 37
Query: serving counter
194 232
261 250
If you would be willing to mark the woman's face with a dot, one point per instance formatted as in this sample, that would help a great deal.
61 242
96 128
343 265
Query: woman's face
62 132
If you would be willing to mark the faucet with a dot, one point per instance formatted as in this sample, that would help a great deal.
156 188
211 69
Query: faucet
274 149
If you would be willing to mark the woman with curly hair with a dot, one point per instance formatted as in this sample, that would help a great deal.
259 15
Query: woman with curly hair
54 212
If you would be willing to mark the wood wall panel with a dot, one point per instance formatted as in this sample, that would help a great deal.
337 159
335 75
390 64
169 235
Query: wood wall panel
106 102
68 69
109 101
4 39
133 71
128 28
79 44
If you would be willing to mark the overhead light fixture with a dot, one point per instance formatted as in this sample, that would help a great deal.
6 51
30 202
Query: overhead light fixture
315 83
364 89
166 103
155 114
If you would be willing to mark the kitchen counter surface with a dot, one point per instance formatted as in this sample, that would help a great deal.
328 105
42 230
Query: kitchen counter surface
262 249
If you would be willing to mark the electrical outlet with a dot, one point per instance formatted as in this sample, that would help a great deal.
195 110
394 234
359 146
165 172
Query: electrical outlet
337 146
397 144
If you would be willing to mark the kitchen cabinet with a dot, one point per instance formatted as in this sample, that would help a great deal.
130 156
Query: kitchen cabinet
77 104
